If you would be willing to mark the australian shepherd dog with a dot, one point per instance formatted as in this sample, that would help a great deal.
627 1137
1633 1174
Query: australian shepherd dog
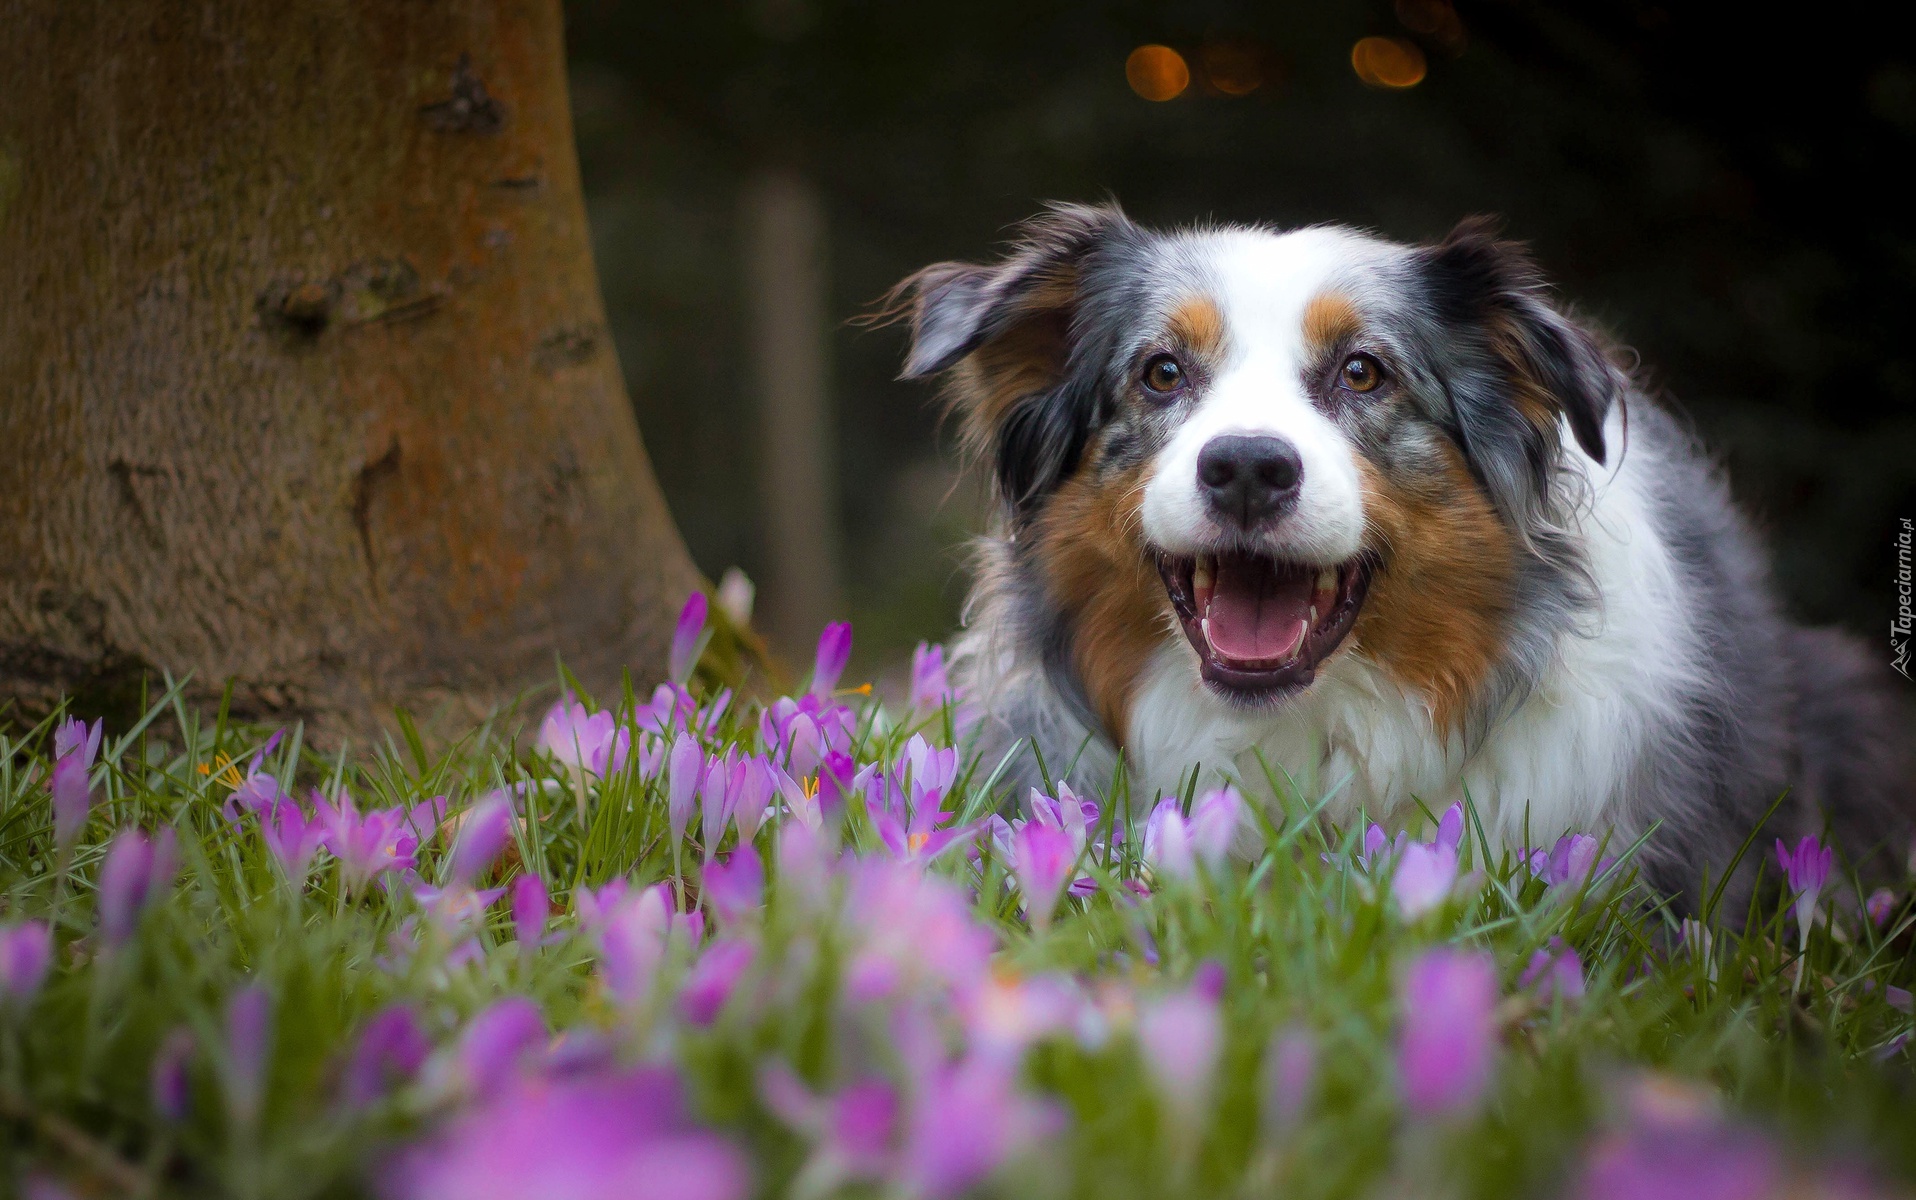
1386 518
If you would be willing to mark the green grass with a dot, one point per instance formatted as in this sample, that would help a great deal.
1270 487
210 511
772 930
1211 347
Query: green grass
1305 939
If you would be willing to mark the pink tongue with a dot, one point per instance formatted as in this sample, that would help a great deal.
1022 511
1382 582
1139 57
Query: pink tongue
1255 615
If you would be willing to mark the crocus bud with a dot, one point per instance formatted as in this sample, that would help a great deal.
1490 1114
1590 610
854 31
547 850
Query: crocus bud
687 773
1041 859
74 745
26 952
482 835
687 637
530 909
249 1035
390 1050
834 651
124 876
498 1041
1288 1076
1449 1031
930 685
1181 1036
713 979
1167 842
170 1085
735 886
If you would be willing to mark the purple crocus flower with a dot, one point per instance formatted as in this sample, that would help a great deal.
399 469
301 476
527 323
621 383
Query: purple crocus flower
483 833
1879 906
595 1135
365 844
1041 857
915 930
1808 869
389 1051
1167 841
1424 877
1181 1037
168 1081
531 908
834 651
714 978
26 953
756 785
686 767
852 1133
1449 1031
965 1120
1216 818
1554 970
687 638
499 1044
1572 861
1288 1076
930 685
724 781
249 1033
1684 1155
74 746
632 942
137 871
1450 828
735 886
292 837
591 743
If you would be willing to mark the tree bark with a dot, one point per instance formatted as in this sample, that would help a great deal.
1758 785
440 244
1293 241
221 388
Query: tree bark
304 375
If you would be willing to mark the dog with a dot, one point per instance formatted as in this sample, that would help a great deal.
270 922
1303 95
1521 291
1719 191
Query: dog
1386 520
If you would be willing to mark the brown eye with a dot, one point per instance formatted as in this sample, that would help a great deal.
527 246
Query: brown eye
1361 373
1163 374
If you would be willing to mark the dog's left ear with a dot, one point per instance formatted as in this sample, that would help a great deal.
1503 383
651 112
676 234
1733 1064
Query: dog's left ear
1546 366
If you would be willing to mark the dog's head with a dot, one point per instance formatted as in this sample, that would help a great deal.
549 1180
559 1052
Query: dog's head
1280 446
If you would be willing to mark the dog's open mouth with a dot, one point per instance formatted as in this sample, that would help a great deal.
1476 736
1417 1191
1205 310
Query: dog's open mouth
1262 625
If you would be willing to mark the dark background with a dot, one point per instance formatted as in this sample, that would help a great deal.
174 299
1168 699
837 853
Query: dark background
1718 189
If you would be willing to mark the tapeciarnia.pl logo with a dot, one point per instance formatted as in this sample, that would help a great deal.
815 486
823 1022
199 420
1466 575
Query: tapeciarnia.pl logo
1900 624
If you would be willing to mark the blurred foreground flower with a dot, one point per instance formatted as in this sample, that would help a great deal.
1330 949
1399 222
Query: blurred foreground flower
138 870
1444 1049
1181 1037
1555 971
26 952
603 1136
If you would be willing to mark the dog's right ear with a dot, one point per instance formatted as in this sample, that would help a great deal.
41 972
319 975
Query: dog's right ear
1006 331
957 307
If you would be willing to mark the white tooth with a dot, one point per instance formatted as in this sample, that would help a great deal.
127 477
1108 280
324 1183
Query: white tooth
1205 625
1312 623
1327 579
1202 574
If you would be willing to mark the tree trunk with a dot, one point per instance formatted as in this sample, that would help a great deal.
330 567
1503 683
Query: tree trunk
784 227
304 375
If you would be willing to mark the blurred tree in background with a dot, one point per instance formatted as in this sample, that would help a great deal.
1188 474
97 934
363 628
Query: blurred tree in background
1709 185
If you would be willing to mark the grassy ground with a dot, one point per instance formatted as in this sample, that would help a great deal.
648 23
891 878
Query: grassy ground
327 1010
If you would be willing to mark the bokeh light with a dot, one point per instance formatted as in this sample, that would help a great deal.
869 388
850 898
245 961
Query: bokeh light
1233 68
1388 62
1157 72
1436 20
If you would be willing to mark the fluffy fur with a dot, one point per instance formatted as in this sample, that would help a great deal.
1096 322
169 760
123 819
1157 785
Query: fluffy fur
1562 614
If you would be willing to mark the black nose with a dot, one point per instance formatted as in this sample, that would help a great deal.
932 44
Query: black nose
1248 480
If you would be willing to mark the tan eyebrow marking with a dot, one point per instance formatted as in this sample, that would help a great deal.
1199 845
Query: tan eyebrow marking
1330 318
1198 324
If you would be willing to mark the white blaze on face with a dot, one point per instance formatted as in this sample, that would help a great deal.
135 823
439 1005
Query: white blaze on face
1262 283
